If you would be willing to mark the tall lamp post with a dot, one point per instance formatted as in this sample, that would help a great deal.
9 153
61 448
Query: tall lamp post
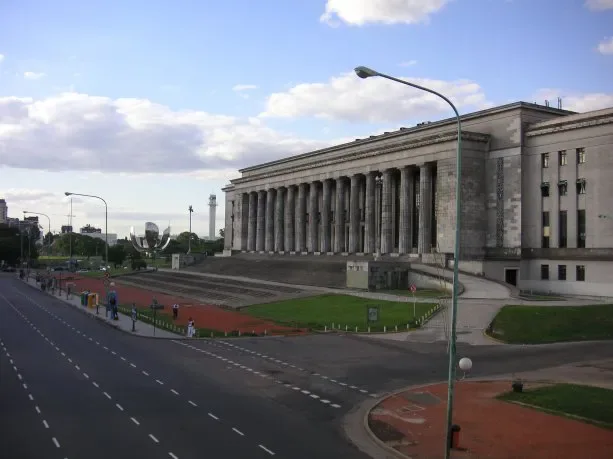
49 228
365 72
189 241
106 230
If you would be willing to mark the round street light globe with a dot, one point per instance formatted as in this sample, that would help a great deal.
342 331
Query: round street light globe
465 364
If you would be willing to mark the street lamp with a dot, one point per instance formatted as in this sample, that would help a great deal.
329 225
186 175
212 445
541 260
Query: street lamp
365 72
48 220
189 241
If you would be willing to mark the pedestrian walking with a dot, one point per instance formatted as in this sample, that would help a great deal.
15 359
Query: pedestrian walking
175 311
190 327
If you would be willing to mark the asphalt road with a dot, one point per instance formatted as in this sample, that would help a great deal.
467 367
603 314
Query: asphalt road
105 393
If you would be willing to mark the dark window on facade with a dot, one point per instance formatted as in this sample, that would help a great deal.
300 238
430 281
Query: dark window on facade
562 187
545 240
581 273
545 160
580 155
561 272
562 229
581 186
545 189
544 272
581 229
563 159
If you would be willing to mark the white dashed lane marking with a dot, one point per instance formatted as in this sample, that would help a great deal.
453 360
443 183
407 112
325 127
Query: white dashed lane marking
261 375
134 420
271 359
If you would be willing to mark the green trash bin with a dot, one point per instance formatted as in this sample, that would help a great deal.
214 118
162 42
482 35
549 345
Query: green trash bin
84 296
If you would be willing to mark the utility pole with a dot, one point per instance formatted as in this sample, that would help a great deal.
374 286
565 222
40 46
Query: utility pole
189 241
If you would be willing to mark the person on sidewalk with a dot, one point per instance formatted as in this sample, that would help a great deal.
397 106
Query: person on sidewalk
175 311
190 327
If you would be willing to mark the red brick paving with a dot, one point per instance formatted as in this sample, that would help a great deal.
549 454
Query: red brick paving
490 428
206 316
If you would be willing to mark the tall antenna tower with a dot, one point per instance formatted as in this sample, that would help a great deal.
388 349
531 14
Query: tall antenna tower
212 215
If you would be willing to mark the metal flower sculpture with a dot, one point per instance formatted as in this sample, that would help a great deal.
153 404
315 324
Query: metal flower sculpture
152 242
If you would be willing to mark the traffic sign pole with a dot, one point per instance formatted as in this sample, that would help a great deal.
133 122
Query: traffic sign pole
413 290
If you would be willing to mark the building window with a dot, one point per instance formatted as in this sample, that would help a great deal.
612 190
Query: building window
562 227
545 240
562 187
561 272
580 155
545 272
581 186
545 160
545 189
581 229
581 273
562 158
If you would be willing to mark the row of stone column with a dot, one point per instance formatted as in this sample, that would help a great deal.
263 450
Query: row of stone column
277 219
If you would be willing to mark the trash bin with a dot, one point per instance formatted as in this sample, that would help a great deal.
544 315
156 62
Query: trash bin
454 438
91 300
84 298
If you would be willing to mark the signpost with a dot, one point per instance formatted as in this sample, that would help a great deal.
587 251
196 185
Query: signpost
134 317
154 307
413 290
372 314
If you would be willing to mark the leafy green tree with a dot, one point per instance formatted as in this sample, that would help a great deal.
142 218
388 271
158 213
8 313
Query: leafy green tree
222 233
10 244
117 255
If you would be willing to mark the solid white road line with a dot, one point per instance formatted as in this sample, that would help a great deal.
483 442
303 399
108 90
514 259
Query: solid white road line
267 450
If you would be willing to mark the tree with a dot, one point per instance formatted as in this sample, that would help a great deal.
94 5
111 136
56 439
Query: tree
117 255
10 244
222 233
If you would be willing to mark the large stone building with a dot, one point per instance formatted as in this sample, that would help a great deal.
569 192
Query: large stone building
536 198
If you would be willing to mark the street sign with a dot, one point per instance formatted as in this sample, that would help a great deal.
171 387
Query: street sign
413 288
372 314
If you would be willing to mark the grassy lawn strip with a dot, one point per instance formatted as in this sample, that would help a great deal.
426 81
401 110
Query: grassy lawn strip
319 311
550 324
592 403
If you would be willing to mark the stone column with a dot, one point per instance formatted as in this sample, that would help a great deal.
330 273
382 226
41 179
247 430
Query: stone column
424 242
405 240
290 215
326 209
253 219
261 222
369 214
339 211
300 219
269 241
313 243
354 214
386 213
279 220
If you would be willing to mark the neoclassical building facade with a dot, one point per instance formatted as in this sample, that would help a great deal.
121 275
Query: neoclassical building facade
394 194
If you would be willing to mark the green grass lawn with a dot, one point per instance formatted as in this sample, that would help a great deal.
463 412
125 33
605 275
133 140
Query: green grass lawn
593 403
550 324
318 312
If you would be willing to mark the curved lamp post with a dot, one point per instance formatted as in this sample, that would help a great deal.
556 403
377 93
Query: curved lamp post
48 220
365 72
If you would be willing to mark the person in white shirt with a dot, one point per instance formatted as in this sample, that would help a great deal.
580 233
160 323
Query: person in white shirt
191 328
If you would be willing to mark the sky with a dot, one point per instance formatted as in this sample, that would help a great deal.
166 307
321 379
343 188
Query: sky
155 105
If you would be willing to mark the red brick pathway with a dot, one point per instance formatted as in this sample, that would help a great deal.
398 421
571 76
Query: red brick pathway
206 316
490 428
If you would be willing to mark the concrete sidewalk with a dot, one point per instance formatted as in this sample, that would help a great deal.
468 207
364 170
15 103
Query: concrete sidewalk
124 323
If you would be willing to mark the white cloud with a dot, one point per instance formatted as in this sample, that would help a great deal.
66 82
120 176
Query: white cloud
576 102
606 46
361 12
408 63
1 57
73 131
33 75
599 5
375 100
243 87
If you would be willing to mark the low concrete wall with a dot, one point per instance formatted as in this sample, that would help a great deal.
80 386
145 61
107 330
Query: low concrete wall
423 280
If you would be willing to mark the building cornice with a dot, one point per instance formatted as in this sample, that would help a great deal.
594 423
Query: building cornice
570 125
422 127
353 156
